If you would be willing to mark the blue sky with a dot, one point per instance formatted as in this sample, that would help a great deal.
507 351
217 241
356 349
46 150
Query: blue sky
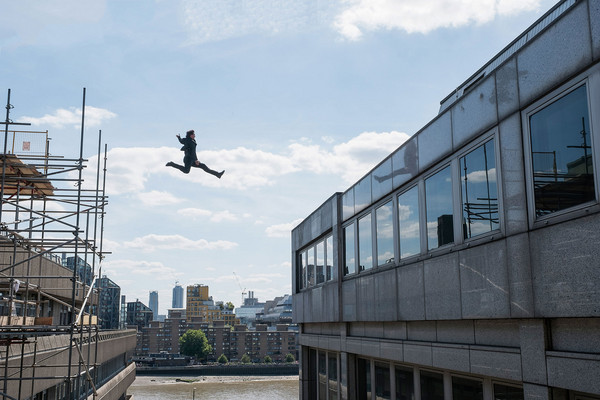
294 99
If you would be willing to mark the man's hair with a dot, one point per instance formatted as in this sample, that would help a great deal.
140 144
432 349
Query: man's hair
189 133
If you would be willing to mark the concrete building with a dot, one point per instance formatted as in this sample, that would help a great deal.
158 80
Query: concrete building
177 301
466 264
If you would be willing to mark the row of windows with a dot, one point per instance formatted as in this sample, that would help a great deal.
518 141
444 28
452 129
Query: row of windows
423 217
399 220
316 264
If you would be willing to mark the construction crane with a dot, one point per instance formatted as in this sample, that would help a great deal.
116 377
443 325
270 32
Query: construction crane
240 285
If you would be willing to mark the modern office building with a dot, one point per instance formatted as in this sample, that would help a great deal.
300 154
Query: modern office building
138 314
466 265
177 301
108 304
153 303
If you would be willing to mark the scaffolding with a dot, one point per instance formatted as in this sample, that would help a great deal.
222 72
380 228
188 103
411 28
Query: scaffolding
51 229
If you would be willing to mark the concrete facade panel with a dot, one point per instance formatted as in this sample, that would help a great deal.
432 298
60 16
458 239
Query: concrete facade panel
392 351
386 296
418 354
507 89
566 268
411 295
395 330
405 162
455 358
512 172
366 304
370 348
382 179
442 288
519 277
582 375
331 302
581 335
317 304
532 334
503 333
422 331
496 364
555 55
435 141
349 300
475 112
484 281
462 332
594 8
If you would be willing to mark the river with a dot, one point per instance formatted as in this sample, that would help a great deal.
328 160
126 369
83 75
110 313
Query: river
215 388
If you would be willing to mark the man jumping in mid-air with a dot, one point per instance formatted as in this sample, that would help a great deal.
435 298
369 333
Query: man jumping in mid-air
190 159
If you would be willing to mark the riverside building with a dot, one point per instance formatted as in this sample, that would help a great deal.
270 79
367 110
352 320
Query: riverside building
466 264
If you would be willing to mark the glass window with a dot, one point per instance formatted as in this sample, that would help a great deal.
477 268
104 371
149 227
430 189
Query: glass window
408 217
365 245
385 234
333 376
404 384
320 262
349 255
504 392
310 263
331 270
438 197
479 191
561 154
302 269
322 376
466 389
382 382
363 382
432 386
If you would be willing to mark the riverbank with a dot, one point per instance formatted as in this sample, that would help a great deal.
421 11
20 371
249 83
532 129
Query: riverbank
148 380
222 370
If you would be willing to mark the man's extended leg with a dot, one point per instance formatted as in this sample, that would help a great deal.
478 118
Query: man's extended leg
208 170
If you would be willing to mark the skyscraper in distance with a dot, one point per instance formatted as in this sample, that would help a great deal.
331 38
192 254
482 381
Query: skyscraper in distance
177 296
153 303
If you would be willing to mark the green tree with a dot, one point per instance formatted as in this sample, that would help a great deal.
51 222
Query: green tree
194 343
229 305
289 358
222 359
268 360
245 359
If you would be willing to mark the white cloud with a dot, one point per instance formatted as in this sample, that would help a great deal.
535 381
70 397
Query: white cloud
156 198
154 242
214 20
214 216
481 176
72 117
154 269
128 169
282 230
422 16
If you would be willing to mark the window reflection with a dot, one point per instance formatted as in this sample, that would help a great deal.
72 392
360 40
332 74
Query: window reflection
331 270
302 269
322 376
320 271
408 218
432 386
365 246
349 257
332 375
466 389
310 274
385 234
382 382
404 384
479 191
505 392
561 154
438 197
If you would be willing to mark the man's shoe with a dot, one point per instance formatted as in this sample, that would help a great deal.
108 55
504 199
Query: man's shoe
220 174
169 164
